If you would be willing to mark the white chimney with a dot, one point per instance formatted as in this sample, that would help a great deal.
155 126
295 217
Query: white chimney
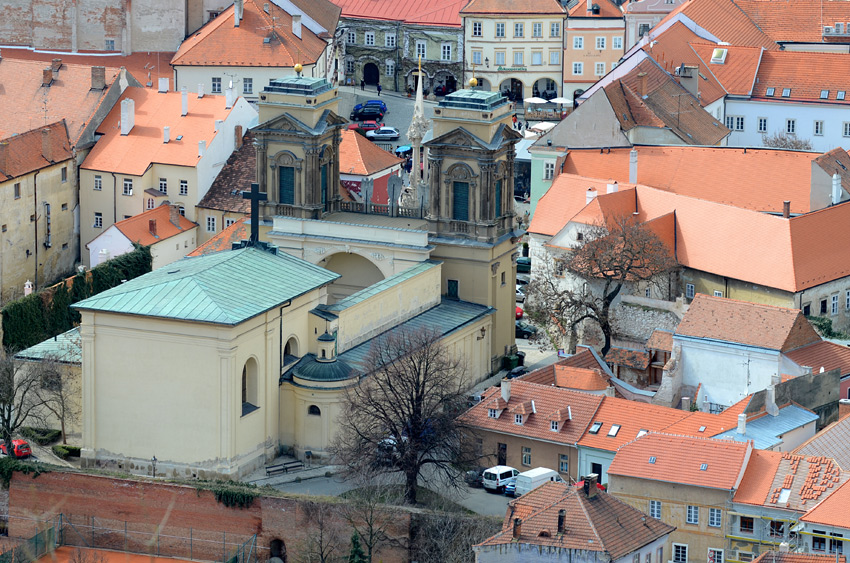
202 148
163 85
228 98
237 12
28 287
633 166
218 124
128 115
742 423
610 391
506 390
166 134
590 195
836 189
686 404
784 547
201 90
103 255
770 401
589 5
612 188
569 413
184 101
296 25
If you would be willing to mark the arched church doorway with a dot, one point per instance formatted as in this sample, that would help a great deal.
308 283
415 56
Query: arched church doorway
357 273
371 74
277 551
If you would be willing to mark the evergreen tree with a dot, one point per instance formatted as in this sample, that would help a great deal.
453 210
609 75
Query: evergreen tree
356 554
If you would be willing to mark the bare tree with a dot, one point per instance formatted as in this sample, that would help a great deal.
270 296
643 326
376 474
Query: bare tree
20 396
594 272
441 537
790 141
325 541
402 417
80 555
58 393
370 511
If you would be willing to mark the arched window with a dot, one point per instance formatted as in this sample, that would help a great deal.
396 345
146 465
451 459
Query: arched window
249 387
314 410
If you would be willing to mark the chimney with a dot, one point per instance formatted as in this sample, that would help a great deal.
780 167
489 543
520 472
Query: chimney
296 25
562 521
218 124
506 390
590 194
770 401
163 85
128 115
174 215
238 132
609 391
228 98
686 404
590 481
4 151
56 65
589 6
46 151
184 101
786 209
98 77
642 86
612 188
836 189
152 226
201 90
46 77
742 423
689 79
202 148
633 166
843 408
166 134
517 528
266 7
237 12
784 547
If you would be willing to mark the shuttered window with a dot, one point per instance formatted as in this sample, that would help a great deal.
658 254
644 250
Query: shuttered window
287 185
498 198
460 201
324 184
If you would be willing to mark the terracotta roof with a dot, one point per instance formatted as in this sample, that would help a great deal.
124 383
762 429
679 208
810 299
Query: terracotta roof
804 480
660 340
724 20
805 74
323 12
752 324
547 400
737 73
25 104
831 441
133 153
836 161
24 153
512 7
632 417
579 378
154 225
220 43
358 155
637 359
558 205
832 511
703 425
798 21
823 355
607 9
789 557
236 232
601 523
584 358
444 13
236 176
679 459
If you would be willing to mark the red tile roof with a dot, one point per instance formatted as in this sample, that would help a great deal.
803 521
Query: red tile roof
660 340
823 355
584 358
601 523
703 424
831 441
737 74
220 43
358 155
832 511
236 232
679 459
799 21
236 176
24 153
154 225
579 378
632 417
637 359
512 7
607 9
805 480
752 324
805 74
445 13
724 20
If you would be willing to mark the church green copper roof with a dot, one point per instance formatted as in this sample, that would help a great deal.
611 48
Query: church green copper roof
227 287
63 347
311 369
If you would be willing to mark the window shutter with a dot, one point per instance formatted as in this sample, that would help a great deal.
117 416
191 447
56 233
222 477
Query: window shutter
287 185
460 201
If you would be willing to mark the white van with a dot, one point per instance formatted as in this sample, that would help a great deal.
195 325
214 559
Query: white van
533 478
495 478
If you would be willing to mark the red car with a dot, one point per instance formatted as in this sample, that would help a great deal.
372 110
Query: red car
370 125
21 448
519 313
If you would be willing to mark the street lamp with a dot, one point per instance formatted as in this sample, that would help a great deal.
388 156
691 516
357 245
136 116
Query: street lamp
153 466
487 62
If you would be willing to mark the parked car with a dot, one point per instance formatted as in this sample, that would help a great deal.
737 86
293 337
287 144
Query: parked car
383 134
520 294
524 330
497 477
368 112
522 279
473 399
475 477
369 125
523 265
443 90
533 478
519 312
377 103
388 454
510 489
517 372
20 448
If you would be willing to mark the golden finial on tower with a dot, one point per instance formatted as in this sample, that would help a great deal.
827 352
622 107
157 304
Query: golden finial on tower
298 68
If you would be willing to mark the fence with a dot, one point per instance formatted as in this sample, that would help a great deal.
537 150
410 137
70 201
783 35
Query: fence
32 549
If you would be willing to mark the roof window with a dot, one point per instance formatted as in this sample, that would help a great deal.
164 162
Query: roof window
839 95
652 459
642 432
718 56
702 428
703 467
784 494
824 94
786 92
614 429
595 428
770 91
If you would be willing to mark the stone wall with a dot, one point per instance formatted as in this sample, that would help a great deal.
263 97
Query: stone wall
818 392
635 323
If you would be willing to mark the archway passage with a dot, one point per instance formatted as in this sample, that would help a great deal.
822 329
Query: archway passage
545 88
357 273
576 94
512 89
277 551
371 74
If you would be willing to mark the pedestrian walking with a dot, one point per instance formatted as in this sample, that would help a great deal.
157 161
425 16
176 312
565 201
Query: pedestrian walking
379 89
362 84
513 119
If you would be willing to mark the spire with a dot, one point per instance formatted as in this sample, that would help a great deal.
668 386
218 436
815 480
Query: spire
419 126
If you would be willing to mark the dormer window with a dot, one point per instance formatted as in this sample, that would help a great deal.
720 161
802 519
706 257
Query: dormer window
553 426
595 428
518 419
492 413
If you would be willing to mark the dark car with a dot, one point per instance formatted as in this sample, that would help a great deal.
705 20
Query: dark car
523 265
524 330
368 112
517 372
442 90
475 477
376 103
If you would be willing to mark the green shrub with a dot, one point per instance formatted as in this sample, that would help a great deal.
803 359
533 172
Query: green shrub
41 436
8 465
60 451
73 451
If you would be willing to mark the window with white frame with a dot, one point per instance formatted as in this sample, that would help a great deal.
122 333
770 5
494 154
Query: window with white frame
128 186
500 29
845 127
518 58
446 52
150 203
791 126
210 224
247 85
762 125
163 185
184 187
390 68
109 44
655 509
680 553
554 57
228 222
476 29
517 419
555 29
689 291
599 69
389 40
818 127
420 49
519 29
526 456
349 66
617 43
351 38
98 183
714 517
369 38
578 69
500 58
537 29
578 42
492 413
834 308
216 85
718 293
600 42
563 463
98 220
693 514
476 57
536 58
553 425
715 555
548 170
735 123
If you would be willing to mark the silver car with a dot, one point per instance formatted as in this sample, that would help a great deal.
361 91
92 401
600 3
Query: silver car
383 134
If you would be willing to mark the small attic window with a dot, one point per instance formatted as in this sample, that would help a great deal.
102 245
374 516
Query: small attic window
652 459
553 425
703 467
518 419
786 92
595 428
839 95
824 94
614 429
642 432
771 91
784 494
718 56
491 413
702 428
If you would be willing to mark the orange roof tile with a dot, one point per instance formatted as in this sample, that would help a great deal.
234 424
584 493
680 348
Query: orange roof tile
236 232
444 13
724 20
632 417
220 43
559 205
154 225
660 340
805 74
832 511
831 441
679 459
512 7
637 359
133 153
358 155
752 324
607 9
798 21
579 378
823 355
25 153
737 74
584 358
703 424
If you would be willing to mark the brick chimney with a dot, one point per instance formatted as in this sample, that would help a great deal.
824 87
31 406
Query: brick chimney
642 86
4 151
98 77
174 215
590 481
56 65
517 528
46 151
46 77
237 131
843 407
152 226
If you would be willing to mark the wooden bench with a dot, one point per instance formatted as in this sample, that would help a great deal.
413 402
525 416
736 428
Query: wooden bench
284 467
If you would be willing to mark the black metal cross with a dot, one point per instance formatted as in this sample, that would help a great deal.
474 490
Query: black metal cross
256 197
